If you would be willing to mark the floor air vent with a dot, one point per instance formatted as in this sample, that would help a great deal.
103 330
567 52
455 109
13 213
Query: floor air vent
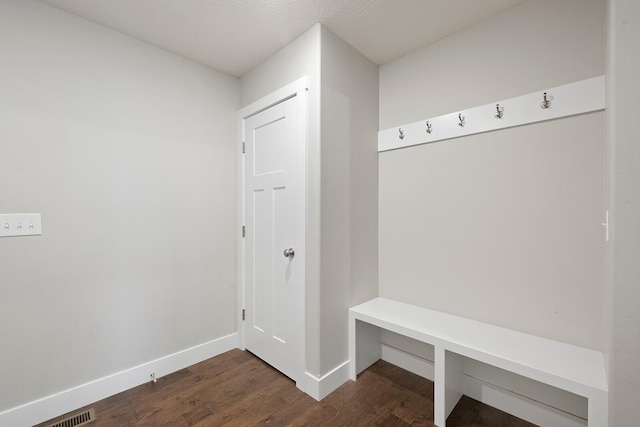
76 420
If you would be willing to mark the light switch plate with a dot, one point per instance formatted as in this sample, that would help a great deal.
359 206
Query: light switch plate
20 224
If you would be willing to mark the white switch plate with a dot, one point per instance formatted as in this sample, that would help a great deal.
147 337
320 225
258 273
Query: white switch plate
20 224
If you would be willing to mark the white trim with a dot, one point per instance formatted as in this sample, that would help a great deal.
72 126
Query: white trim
298 88
240 224
302 86
319 388
408 361
282 94
567 100
519 405
76 397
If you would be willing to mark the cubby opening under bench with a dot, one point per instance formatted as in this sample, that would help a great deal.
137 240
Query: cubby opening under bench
567 367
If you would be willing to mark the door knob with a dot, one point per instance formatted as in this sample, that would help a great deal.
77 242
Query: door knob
289 253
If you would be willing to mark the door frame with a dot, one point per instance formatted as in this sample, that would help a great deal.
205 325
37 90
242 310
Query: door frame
299 89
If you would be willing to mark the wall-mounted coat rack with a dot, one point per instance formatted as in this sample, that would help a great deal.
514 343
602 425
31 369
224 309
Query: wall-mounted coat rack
568 100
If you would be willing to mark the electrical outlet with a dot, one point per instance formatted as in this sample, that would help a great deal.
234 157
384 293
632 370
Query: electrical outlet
20 224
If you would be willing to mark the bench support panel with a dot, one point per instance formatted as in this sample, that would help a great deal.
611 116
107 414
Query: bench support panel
598 409
448 384
364 346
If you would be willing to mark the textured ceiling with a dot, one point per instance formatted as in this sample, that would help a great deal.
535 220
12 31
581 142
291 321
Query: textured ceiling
234 36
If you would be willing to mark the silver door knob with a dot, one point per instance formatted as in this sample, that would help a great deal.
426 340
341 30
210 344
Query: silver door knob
289 252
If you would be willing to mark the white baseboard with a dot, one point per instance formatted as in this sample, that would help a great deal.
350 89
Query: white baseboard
82 395
408 361
505 400
518 405
319 388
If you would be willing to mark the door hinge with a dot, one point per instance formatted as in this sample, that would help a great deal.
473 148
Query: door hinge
243 231
243 148
243 314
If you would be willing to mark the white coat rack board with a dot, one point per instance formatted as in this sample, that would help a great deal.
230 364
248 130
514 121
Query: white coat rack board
568 100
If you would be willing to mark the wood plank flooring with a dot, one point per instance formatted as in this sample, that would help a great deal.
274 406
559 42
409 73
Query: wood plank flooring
238 389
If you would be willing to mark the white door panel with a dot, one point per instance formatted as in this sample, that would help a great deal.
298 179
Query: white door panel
273 190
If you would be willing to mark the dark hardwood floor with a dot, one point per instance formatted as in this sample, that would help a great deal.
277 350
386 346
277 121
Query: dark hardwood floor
238 389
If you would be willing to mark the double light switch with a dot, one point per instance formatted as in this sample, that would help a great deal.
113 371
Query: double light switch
20 224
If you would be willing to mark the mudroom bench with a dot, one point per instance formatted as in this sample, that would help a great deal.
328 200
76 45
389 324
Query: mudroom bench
575 369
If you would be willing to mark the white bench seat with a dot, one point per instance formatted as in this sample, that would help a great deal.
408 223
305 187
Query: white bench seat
565 366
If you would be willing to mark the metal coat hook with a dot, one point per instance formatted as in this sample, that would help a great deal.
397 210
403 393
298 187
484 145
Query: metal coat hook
546 103
500 111
429 129
460 120
401 136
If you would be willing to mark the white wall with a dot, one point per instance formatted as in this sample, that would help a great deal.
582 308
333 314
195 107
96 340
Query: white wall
341 182
533 45
624 313
127 151
502 227
349 181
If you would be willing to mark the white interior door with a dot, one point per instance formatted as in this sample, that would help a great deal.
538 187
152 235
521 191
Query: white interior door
274 217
